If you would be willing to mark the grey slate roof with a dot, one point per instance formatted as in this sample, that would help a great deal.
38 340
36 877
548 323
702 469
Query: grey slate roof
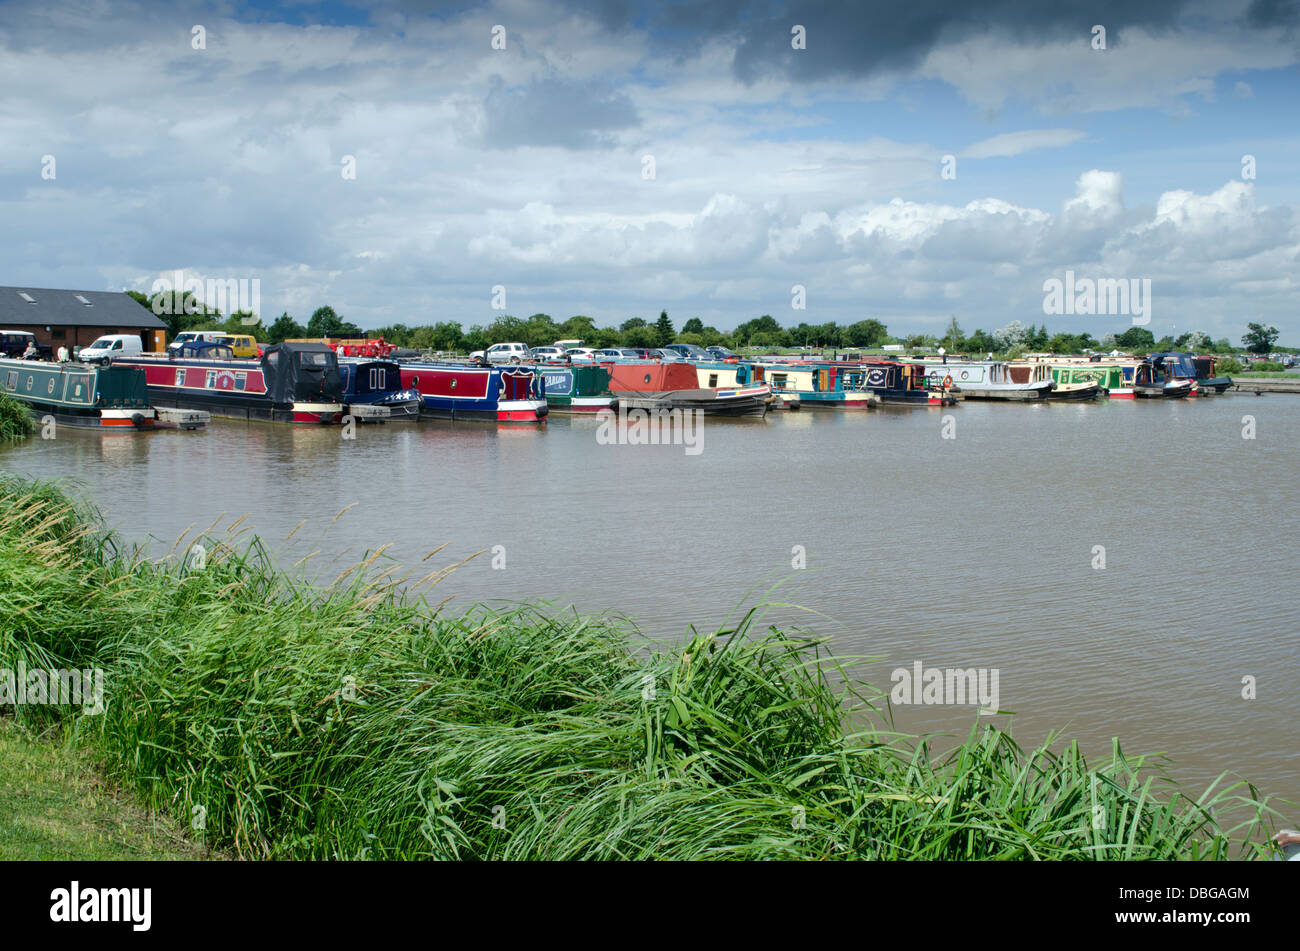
60 308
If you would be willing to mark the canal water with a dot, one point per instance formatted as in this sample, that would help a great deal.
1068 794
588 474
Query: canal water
982 550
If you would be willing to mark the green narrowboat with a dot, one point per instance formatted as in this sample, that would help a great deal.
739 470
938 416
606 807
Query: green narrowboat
1109 376
576 388
90 396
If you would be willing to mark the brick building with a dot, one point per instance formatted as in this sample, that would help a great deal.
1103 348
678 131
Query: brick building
73 319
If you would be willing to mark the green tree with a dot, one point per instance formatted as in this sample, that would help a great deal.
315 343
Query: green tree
865 333
1136 338
664 329
641 336
631 323
1258 338
578 327
693 326
441 336
285 328
981 343
398 334
766 324
325 322
476 338
953 338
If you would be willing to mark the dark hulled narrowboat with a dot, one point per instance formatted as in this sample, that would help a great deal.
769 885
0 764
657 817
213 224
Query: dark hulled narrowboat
1151 380
904 384
370 386
290 383
1207 380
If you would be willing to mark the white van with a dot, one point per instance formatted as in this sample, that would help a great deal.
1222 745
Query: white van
191 336
110 347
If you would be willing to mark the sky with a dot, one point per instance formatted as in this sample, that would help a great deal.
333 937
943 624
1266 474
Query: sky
910 163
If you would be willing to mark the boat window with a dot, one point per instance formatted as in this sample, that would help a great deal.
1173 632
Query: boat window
241 380
211 380
713 380
12 382
180 377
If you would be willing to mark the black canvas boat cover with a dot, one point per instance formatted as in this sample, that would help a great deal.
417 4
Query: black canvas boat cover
302 372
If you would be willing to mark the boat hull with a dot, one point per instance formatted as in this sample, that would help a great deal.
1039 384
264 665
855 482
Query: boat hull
1075 392
1014 394
1166 391
752 401
105 420
838 400
251 410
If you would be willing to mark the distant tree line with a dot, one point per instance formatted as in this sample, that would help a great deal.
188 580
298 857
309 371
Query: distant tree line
541 329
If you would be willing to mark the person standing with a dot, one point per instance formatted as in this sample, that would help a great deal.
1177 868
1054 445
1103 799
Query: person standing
943 354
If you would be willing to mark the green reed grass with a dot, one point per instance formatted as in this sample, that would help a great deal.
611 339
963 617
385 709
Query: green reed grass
360 722
15 419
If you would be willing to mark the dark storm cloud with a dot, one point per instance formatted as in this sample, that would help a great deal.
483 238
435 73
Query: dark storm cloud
1264 14
855 39
848 40
555 112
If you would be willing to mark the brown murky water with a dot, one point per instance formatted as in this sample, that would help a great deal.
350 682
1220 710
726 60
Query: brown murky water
970 552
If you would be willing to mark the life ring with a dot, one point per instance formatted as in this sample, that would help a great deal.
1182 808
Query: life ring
947 382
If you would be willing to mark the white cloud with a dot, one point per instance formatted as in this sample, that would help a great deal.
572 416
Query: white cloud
1016 143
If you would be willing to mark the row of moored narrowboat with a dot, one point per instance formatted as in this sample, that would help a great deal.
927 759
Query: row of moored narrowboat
310 383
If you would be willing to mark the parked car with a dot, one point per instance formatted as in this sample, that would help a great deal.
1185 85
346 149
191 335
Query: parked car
722 353
639 353
547 354
110 346
194 336
666 355
502 353
581 354
688 351
14 343
612 353
243 346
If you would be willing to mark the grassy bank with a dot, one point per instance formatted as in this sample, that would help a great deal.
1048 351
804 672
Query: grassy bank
54 805
358 721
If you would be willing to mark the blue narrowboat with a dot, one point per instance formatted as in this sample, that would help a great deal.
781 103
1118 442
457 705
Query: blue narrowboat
510 393
377 383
